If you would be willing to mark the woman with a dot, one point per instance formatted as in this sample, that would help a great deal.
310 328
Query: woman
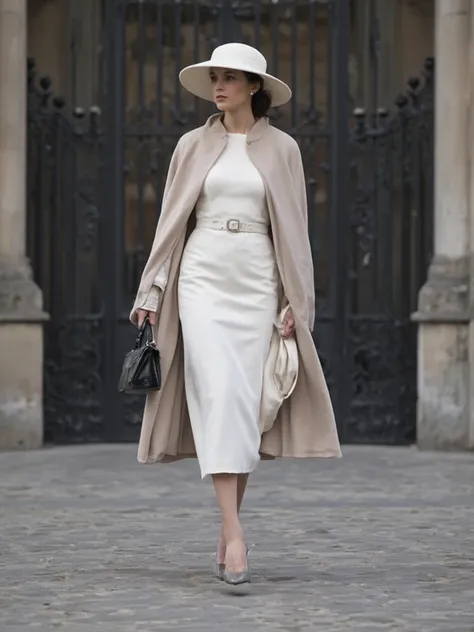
231 247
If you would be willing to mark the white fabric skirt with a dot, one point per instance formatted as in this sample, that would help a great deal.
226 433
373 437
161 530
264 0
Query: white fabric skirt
228 300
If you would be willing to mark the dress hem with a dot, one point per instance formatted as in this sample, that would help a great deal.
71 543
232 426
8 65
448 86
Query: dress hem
167 458
231 470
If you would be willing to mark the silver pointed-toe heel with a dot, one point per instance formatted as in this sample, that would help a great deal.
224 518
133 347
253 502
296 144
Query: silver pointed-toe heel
234 579
237 578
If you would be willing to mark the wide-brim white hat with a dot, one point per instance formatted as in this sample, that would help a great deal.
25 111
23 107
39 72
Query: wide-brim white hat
196 78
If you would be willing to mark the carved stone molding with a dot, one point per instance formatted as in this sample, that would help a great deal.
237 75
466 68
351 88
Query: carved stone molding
445 296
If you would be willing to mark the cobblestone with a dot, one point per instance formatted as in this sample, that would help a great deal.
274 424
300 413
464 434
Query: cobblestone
382 540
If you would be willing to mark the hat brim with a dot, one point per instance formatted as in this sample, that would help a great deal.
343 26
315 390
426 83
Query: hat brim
196 80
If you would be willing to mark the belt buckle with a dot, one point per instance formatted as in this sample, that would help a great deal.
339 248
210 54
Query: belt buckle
233 225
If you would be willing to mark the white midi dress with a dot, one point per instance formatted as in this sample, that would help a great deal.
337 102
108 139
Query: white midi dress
228 299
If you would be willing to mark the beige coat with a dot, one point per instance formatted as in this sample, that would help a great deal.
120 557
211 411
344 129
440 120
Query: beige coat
305 425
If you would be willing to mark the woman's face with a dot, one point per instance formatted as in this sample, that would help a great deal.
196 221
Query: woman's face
230 89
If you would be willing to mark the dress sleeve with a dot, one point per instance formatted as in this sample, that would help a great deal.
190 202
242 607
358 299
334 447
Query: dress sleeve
153 299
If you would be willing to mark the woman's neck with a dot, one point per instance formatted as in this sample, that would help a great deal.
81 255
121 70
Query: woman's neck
238 122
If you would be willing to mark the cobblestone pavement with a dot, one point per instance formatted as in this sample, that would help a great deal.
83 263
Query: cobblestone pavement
381 540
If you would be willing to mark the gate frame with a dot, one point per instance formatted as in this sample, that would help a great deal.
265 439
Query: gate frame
371 233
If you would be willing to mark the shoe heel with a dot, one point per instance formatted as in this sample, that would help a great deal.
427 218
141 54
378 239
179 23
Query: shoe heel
219 570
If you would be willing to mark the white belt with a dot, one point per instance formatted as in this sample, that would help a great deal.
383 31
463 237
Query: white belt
232 226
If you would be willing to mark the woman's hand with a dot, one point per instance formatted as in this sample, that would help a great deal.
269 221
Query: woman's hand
288 328
143 313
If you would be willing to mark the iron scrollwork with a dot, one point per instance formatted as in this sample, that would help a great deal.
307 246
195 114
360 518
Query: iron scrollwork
391 220
64 172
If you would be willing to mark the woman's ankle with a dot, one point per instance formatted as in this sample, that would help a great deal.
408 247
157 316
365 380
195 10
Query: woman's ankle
233 533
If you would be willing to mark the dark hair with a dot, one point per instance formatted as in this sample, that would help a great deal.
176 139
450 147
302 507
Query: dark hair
262 99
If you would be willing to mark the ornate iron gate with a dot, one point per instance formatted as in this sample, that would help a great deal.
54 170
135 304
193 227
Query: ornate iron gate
95 183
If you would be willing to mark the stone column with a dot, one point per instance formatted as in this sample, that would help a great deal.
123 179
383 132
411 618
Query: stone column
470 438
443 309
21 315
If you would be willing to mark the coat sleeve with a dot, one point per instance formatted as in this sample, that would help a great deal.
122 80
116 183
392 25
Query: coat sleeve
299 183
161 278
299 180
149 297
170 176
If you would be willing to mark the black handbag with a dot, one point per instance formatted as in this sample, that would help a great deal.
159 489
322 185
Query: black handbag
141 370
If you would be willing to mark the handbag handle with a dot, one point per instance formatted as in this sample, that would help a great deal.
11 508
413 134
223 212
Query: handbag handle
146 326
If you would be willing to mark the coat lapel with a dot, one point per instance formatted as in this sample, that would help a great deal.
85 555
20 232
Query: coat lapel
186 190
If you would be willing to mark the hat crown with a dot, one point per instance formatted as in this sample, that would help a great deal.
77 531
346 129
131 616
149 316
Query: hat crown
239 56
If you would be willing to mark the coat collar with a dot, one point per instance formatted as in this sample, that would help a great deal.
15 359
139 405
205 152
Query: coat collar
215 126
